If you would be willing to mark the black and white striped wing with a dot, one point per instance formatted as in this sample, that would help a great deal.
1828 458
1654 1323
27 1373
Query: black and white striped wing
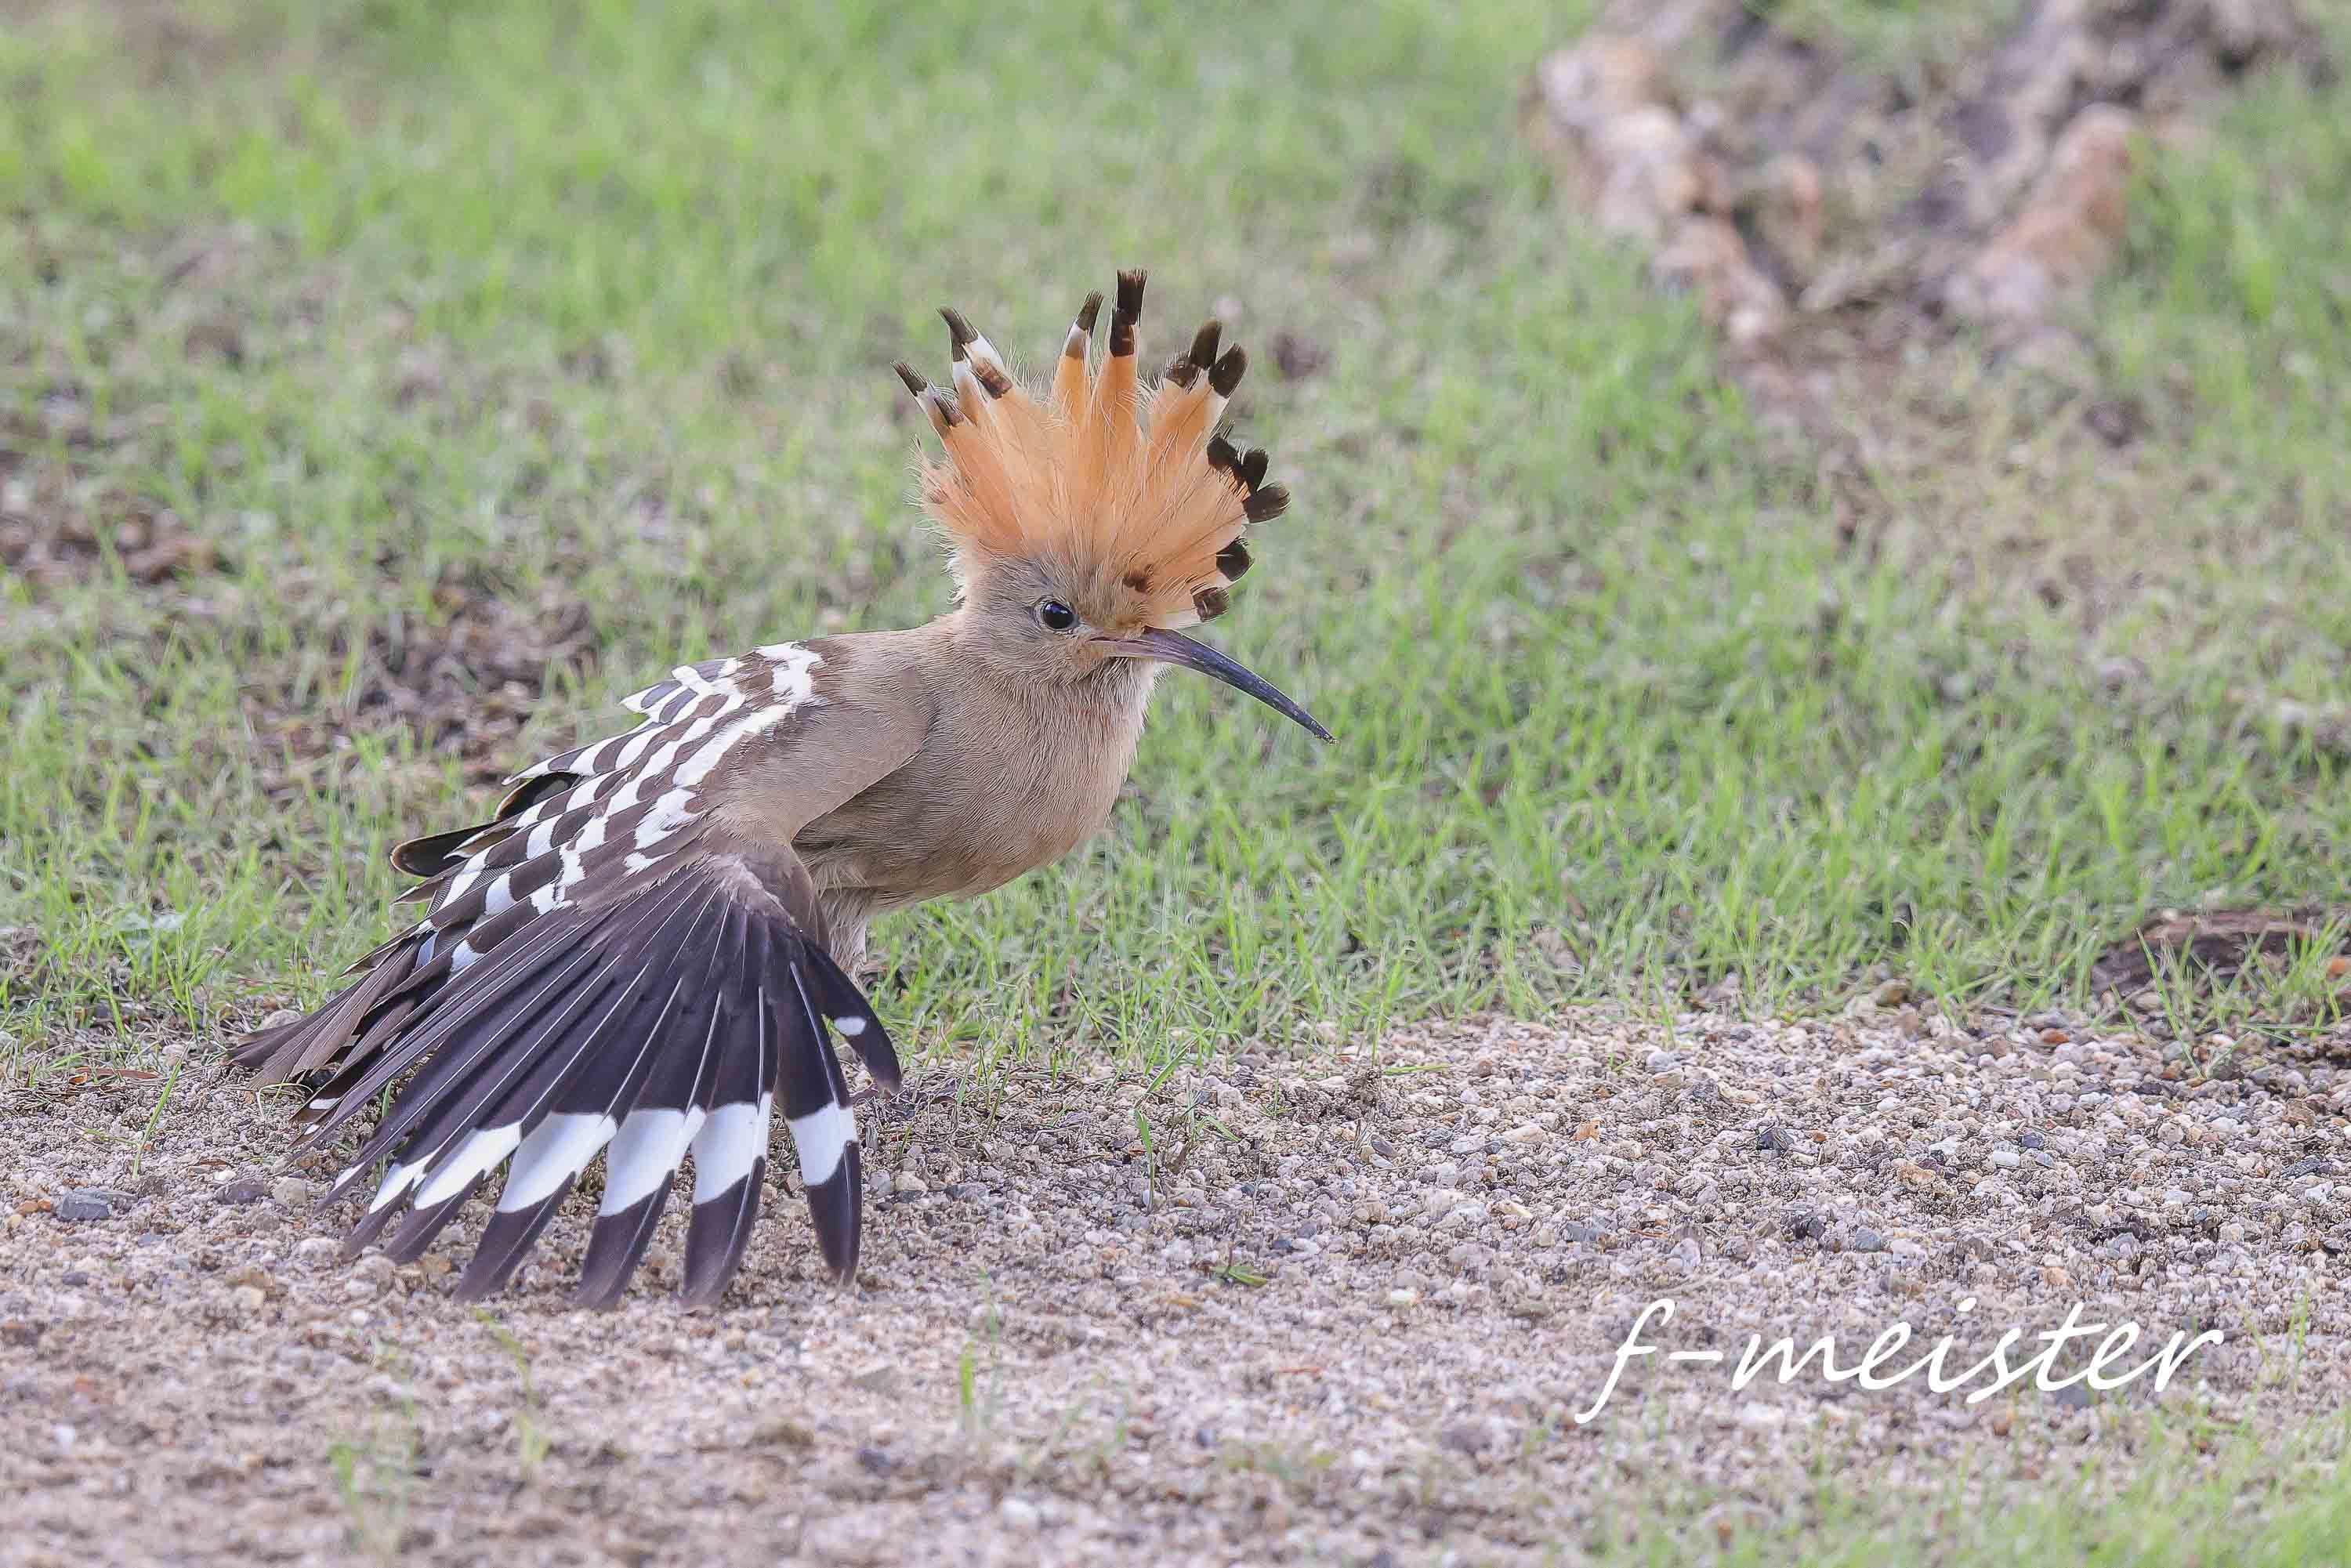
679 1019
598 972
616 808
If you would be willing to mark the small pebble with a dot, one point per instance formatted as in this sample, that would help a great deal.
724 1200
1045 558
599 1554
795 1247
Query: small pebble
82 1207
1471 1437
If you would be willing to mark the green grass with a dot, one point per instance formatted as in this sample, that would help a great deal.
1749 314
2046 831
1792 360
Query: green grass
2185 1498
598 310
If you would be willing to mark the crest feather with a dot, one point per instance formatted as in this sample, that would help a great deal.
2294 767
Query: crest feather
1133 485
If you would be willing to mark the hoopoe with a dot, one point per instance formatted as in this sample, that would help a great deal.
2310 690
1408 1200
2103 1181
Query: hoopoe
639 957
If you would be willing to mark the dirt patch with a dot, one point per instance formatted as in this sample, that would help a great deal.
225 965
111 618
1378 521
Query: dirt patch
61 518
2178 968
1823 208
459 680
462 682
2221 943
1328 1309
74 498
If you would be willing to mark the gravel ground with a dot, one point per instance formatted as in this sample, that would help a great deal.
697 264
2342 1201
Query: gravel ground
1339 1310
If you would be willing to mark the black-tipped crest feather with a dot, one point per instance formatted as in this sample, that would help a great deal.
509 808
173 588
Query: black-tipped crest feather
960 332
1227 374
1127 313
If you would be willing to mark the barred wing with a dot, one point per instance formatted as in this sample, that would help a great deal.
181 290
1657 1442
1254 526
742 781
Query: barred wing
605 970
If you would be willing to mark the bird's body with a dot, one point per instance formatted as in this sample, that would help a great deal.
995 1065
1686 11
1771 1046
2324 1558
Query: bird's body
640 955
1006 778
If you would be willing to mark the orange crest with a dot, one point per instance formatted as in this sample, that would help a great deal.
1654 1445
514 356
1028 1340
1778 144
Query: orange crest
1132 487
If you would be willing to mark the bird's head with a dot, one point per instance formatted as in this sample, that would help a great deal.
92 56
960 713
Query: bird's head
1093 519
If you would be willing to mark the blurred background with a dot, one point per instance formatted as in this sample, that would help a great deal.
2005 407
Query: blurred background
1841 613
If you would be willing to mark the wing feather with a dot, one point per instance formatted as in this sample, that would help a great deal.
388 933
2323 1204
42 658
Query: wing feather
605 972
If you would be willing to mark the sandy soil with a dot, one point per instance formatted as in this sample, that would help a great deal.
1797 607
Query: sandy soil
1341 1309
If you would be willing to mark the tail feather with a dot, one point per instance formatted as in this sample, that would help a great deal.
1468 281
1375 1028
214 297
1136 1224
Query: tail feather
730 1147
387 1023
679 1020
427 1221
618 1242
653 1139
381 1212
824 1135
507 1240
504 995
292 1050
567 1141
505 1079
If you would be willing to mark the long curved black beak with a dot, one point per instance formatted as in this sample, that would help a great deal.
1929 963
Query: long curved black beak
1174 648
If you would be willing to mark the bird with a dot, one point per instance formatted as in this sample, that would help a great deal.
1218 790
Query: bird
645 952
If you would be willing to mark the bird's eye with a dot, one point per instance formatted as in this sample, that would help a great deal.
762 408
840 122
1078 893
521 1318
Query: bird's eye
1054 616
